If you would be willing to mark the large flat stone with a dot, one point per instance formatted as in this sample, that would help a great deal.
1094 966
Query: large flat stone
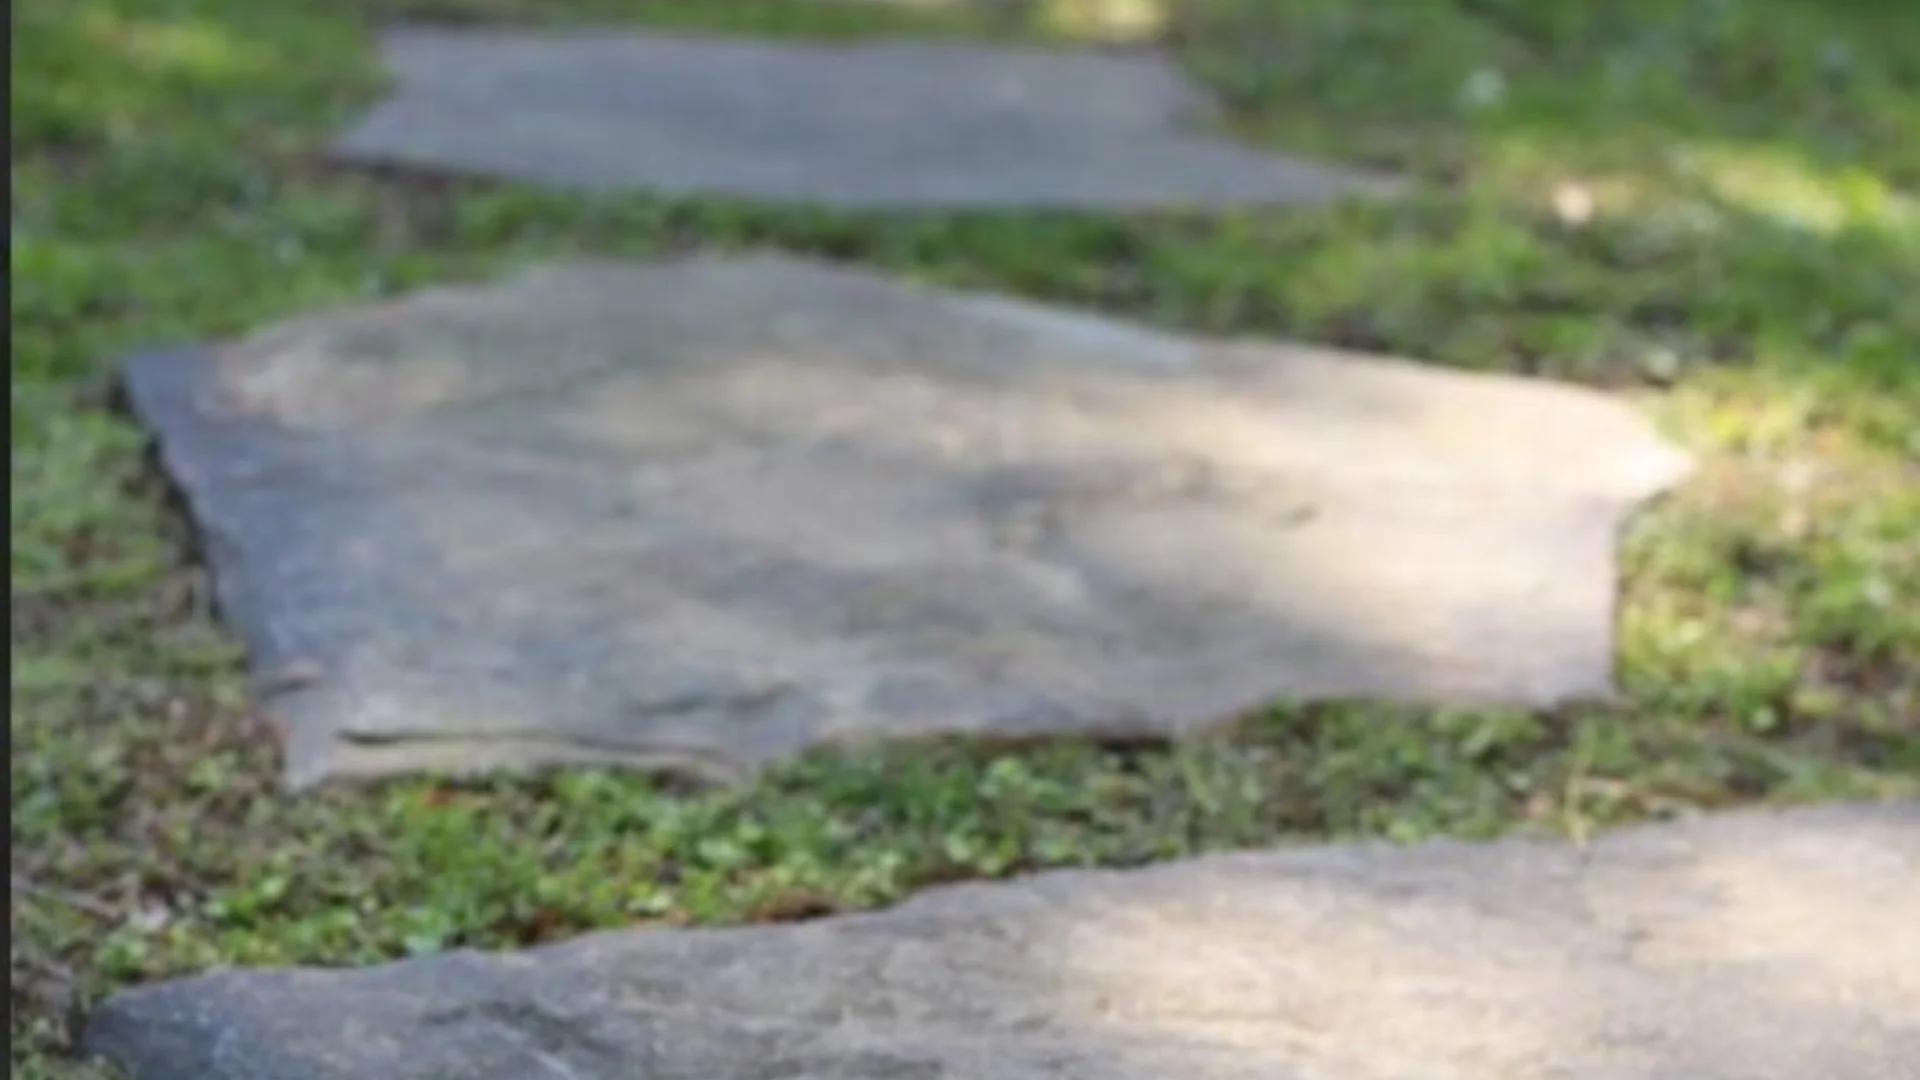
889 124
1746 947
708 514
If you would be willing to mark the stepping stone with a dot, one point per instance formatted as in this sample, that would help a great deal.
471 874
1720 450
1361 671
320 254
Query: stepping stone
880 125
1745 947
706 515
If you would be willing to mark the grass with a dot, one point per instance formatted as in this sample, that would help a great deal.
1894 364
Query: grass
1711 207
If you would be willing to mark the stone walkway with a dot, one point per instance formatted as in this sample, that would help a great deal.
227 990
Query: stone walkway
899 124
1740 947
708 514
741 508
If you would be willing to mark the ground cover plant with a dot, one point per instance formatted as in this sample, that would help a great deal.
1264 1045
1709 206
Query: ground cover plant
1712 207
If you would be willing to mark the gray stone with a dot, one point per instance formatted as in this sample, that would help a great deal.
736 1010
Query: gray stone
1746 947
705 515
889 124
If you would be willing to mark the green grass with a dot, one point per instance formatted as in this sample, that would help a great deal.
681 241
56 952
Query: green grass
1748 273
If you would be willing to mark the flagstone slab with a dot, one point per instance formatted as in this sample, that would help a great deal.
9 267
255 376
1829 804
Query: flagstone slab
891 124
708 514
1750 946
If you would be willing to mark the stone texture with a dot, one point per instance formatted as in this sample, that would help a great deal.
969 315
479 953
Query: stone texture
704 515
889 124
1745 947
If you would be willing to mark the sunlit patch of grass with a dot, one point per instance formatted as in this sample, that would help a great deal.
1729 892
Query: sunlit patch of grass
1783 187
